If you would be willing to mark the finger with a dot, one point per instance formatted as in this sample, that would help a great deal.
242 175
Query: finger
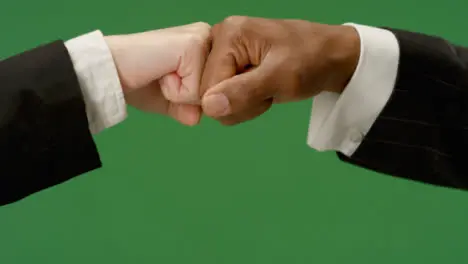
246 115
239 93
219 66
170 86
148 98
183 86
186 114
191 70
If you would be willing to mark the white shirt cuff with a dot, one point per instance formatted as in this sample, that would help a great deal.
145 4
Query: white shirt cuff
340 122
99 81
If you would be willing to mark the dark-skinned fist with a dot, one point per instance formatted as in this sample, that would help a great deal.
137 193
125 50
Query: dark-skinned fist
256 62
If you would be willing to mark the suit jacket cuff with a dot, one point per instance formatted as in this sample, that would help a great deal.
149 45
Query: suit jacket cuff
99 81
340 122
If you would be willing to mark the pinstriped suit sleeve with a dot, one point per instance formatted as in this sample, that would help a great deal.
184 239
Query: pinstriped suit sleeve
422 132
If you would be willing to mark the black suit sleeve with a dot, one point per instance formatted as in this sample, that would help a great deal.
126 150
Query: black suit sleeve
422 133
44 135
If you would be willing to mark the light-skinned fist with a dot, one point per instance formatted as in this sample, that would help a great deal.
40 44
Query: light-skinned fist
160 70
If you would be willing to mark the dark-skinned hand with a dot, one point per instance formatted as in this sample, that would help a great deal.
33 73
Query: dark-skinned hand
256 62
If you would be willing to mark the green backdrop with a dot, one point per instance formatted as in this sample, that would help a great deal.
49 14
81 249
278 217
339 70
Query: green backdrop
254 193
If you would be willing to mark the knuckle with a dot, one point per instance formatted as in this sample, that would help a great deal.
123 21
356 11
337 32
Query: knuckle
205 29
202 32
234 25
202 26
235 20
199 27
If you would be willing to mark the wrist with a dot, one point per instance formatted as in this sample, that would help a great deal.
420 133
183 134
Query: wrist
344 52
116 47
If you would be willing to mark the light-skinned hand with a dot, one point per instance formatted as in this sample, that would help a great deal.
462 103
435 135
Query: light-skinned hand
160 70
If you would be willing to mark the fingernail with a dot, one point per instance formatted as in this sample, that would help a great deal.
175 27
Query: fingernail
216 105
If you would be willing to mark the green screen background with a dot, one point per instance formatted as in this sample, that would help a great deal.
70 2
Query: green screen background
254 193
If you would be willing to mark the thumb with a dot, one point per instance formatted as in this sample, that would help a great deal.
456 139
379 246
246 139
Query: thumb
239 93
